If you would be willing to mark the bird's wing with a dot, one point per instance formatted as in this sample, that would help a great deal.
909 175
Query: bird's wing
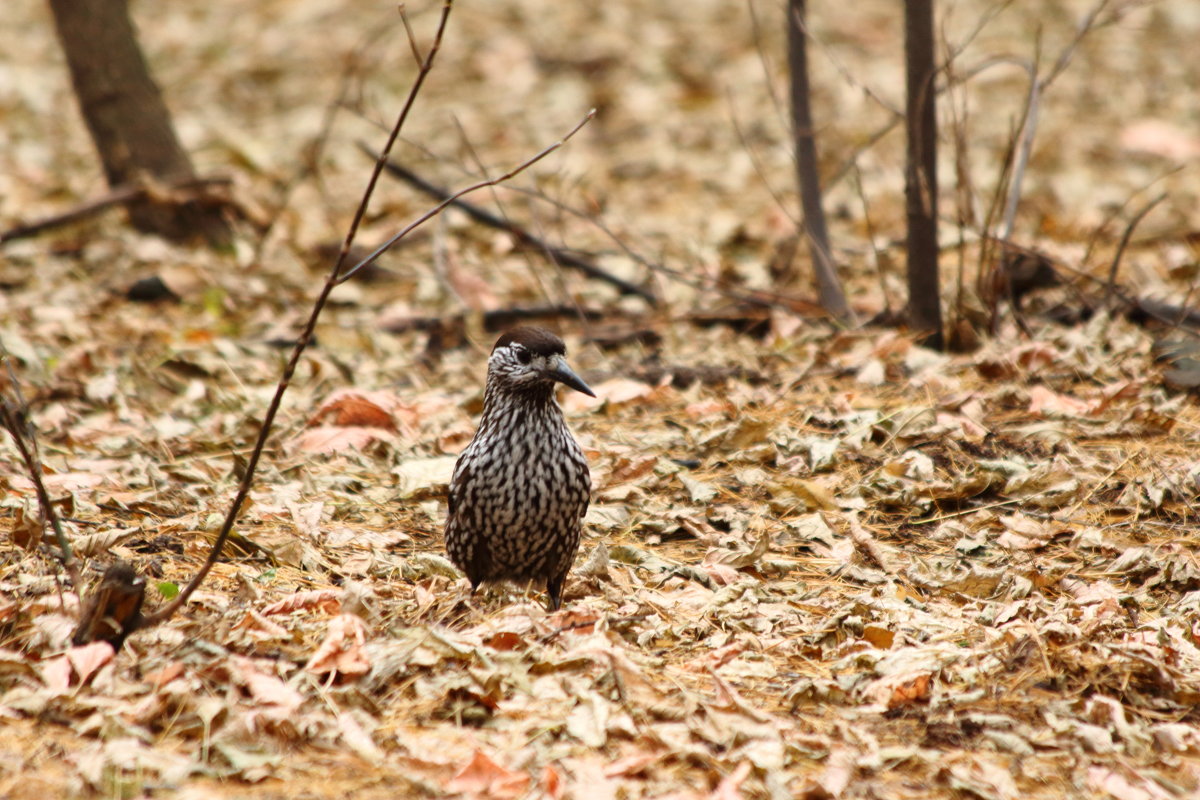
458 479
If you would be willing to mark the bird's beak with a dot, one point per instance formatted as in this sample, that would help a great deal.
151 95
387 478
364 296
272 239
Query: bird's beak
566 376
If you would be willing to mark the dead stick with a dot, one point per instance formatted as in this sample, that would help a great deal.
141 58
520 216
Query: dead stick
119 196
440 207
1116 262
495 319
426 64
14 417
870 546
485 217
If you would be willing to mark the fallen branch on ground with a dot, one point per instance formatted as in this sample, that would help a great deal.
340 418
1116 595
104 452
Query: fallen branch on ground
183 191
557 255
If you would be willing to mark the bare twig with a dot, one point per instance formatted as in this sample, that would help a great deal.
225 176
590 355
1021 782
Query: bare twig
1178 317
756 161
1015 163
524 237
452 199
866 542
167 611
1022 150
690 278
876 259
719 285
494 319
1113 213
764 62
847 74
14 417
804 148
310 155
536 274
122 195
1116 262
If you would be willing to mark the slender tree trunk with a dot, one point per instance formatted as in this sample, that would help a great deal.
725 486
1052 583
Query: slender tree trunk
808 182
127 118
920 189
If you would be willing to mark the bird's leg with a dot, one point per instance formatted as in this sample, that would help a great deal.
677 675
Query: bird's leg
554 591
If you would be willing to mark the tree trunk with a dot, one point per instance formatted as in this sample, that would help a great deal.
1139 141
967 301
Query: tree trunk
808 182
920 186
127 118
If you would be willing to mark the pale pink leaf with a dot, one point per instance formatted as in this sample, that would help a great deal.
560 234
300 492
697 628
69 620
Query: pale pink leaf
343 649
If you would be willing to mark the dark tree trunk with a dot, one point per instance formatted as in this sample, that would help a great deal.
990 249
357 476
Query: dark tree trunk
808 182
920 186
127 118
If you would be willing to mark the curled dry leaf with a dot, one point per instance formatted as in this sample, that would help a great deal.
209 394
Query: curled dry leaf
578 621
900 689
1048 403
161 677
325 439
343 650
351 408
740 559
717 658
1161 137
551 782
88 658
630 468
277 698
503 640
730 786
1056 660
359 740
327 600
95 544
483 777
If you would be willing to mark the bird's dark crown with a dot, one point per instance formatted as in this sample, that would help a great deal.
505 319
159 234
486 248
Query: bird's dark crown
538 341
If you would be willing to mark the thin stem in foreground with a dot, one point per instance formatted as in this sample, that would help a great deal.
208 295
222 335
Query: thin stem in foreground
426 64
14 417
440 207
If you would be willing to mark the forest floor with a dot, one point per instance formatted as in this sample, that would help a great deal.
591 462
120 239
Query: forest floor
819 562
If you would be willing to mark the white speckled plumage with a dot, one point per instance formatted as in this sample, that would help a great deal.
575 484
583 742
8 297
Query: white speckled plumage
521 487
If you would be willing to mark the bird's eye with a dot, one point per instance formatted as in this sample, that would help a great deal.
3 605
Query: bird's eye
524 356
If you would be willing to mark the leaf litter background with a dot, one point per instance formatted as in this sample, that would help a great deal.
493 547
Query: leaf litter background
839 566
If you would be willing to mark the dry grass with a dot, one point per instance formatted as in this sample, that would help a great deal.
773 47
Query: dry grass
875 572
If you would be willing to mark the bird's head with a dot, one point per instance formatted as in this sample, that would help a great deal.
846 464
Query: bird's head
531 359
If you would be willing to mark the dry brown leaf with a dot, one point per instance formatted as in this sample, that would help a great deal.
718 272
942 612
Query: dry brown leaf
342 650
483 777
323 439
551 782
327 600
730 786
161 677
1161 138
277 697
504 640
86 659
630 469
1047 403
578 621
354 409
879 637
